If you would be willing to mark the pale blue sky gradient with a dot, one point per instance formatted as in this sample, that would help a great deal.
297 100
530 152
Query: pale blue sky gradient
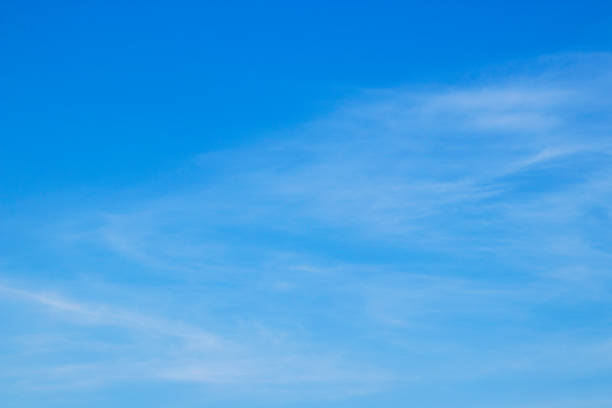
259 205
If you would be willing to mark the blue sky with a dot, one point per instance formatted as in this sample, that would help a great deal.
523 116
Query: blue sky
320 205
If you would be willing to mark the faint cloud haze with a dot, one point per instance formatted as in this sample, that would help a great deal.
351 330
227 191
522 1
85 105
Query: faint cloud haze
410 239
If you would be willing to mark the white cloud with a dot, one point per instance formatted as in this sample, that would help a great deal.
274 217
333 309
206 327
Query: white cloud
484 208
160 349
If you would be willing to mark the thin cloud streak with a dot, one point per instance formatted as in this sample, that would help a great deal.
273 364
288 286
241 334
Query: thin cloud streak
449 227
197 357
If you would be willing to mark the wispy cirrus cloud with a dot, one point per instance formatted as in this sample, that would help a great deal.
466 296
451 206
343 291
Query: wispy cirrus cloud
152 348
416 168
451 228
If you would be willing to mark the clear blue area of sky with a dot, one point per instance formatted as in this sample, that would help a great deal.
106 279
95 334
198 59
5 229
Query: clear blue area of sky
316 204
105 93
